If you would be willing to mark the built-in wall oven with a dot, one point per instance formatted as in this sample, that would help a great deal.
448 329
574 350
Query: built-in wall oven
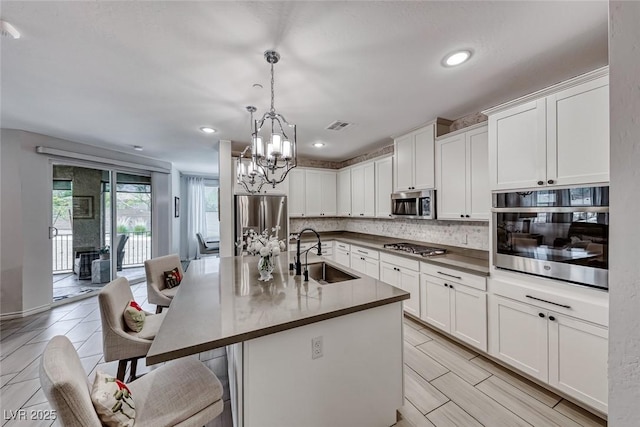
414 204
560 234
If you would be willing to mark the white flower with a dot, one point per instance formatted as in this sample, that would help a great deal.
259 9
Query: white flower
275 251
282 246
264 252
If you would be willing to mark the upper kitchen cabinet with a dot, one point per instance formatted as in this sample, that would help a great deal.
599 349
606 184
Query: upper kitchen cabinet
557 136
296 192
363 192
320 193
414 157
384 186
344 192
462 175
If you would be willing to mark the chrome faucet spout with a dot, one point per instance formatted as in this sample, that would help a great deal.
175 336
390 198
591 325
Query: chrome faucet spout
319 245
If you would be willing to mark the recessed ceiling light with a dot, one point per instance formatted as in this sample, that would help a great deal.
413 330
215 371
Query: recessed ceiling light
456 58
206 129
138 147
318 144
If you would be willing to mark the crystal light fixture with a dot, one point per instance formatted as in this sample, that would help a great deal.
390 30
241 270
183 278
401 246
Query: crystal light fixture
273 145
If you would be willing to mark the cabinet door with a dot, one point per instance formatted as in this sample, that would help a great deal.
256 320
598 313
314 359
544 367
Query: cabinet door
344 192
410 282
469 315
358 263
389 274
452 178
578 134
342 257
328 194
369 189
296 192
313 189
578 354
519 336
384 187
424 160
403 157
478 193
372 268
357 191
517 147
436 308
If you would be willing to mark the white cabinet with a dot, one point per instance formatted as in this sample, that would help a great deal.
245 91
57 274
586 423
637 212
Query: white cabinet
344 192
566 352
383 187
414 160
320 193
341 253
402 273
296 192
462 175
363 191
365 261
560 137
312 192
456 309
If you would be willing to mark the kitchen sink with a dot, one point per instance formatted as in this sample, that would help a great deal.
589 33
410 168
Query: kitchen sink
324 273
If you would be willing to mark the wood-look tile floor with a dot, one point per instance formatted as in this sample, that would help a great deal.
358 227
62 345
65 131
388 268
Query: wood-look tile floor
446 384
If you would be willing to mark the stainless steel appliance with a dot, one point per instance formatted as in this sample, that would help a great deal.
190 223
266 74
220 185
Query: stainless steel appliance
258 213
425 251
561 234
414 204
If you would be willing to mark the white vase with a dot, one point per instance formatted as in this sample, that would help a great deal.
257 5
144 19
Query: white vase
265 268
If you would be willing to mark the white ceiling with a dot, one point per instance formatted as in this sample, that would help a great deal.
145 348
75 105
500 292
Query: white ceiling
118 74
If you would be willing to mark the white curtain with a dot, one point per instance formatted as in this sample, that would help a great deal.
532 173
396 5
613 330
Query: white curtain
196 218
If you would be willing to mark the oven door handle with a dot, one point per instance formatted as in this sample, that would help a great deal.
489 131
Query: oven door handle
553 209
549 302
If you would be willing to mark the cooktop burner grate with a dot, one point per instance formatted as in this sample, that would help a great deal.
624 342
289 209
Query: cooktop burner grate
415 249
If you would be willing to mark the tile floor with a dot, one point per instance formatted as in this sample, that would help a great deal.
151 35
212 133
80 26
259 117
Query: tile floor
67 285
445 384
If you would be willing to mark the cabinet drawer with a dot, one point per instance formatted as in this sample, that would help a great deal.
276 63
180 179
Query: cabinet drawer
343 246
561 302
400 261
445 273
369 253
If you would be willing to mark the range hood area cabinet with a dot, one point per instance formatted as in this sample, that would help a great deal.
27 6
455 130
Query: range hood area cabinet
414 167
462 175
558 136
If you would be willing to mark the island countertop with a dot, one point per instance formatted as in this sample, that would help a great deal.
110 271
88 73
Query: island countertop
221 302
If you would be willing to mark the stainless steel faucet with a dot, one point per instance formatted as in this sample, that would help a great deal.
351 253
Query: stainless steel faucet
298 263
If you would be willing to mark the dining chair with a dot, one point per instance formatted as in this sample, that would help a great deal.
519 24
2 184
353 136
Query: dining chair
157 292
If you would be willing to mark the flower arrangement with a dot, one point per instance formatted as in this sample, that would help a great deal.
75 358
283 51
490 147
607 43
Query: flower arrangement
267 246
104 250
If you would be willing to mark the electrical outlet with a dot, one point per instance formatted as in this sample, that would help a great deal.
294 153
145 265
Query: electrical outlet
316 347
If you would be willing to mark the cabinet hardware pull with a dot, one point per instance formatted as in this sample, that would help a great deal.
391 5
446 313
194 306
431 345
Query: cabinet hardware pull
450 275
550 181
446 285
363 252
451 286
552 318
541 315
540 182
548 302
467 216
461 216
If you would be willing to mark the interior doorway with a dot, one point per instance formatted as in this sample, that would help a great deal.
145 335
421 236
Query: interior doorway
85 255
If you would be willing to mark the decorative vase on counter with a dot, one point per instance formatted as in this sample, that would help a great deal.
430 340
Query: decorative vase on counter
265 268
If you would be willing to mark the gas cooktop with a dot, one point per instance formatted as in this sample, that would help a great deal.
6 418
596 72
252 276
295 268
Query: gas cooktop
424 251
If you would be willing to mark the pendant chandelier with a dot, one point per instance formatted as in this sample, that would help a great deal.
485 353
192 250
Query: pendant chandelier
273 145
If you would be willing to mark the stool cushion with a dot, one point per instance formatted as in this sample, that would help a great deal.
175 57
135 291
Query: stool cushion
175 392
169 292
151 326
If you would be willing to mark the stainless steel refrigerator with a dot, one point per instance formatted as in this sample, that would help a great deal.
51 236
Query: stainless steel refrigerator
260 213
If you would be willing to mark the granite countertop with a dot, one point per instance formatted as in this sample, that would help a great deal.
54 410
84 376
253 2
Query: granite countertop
221 302
467 260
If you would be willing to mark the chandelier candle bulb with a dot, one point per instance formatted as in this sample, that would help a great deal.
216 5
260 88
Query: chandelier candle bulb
259 147
276 140
286 149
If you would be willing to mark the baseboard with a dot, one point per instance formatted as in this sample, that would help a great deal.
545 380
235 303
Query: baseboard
24 313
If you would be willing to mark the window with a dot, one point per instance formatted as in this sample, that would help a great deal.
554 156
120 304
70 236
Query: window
211 210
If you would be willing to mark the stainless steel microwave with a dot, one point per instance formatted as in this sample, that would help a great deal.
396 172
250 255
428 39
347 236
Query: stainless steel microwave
414 204
560 234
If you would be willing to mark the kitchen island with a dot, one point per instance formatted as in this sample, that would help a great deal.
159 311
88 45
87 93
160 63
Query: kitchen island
350 375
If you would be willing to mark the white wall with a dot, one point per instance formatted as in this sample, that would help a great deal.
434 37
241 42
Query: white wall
225 167
25 264
624 272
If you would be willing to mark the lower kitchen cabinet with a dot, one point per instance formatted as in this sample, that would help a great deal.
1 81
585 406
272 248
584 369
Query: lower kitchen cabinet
397 272
568 353
365 261
341 254
456 309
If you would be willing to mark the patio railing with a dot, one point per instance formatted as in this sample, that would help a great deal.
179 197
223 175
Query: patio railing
136 250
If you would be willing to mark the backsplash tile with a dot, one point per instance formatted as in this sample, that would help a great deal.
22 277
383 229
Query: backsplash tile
468 234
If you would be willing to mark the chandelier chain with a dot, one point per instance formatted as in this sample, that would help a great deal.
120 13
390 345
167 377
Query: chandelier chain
272 91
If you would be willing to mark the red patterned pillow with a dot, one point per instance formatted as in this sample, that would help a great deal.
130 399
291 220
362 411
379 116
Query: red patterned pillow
113 401
172 278
134 316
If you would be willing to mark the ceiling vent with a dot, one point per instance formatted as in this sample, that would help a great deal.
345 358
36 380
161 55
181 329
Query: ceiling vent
8 30
338 125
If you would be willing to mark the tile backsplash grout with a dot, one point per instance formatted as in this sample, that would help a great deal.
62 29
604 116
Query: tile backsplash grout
464 234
